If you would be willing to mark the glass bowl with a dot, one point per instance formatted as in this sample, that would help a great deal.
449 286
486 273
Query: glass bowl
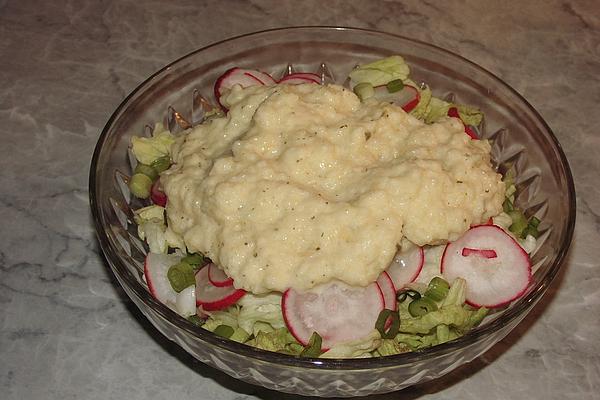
521 140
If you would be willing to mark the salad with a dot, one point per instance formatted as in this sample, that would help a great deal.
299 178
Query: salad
435 284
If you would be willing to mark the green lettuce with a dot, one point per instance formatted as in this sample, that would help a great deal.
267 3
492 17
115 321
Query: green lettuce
437 110
456 294
469 115
380 72
280 340
260 308
422 108
390 347
149 149
228 317
240 335
450 315
152 228
360 348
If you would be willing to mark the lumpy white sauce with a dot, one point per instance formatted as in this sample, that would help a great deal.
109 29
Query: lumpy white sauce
302 184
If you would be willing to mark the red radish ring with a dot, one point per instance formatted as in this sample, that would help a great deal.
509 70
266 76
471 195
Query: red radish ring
453 112
406 266
157 196
407 98
301 77
337 312
243 77
212 297
386 285
491 281
217 276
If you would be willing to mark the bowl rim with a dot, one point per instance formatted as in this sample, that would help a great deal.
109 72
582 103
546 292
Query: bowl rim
325 363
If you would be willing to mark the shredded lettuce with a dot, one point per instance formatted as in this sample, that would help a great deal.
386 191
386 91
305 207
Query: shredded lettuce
260 308
280 340
380 72
421 110
149 149
469 115
437 109
449 315
390 347
228 317
152 228
360 348
240 335
456 294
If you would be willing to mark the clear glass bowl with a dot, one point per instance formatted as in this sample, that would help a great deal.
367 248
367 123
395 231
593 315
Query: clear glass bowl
521 140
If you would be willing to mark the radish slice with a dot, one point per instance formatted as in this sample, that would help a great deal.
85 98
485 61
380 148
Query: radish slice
212 297
406 267
240 76
217 276
491 281
157 196
156 267
386 285
186 301
337 312
407 98
453 112
301 77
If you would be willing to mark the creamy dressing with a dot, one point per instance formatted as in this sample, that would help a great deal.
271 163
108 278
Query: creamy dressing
299 185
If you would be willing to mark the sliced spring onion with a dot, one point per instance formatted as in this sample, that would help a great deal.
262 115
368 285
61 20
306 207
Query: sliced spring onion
140 185
181 276
534 221
196 320
395 86
224 331
313 347
413 294
519 222
161 164
146 170
507 206
194 259
364 90
532 228
422 306
382 323
437 289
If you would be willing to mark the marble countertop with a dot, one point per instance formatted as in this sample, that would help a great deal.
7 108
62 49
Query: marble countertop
68 332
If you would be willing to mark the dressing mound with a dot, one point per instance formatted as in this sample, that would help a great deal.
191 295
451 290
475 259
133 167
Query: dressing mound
300 185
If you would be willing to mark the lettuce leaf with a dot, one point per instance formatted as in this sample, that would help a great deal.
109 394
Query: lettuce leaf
151 227
380 72
470 115
457 293
360 348
437 110
149 149
422 109
390 347
277 340
260 308
453 315
229 317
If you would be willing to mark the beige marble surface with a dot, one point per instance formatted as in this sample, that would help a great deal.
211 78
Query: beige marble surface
68 332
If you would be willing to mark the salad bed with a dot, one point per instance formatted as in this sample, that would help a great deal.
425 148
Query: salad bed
397 313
